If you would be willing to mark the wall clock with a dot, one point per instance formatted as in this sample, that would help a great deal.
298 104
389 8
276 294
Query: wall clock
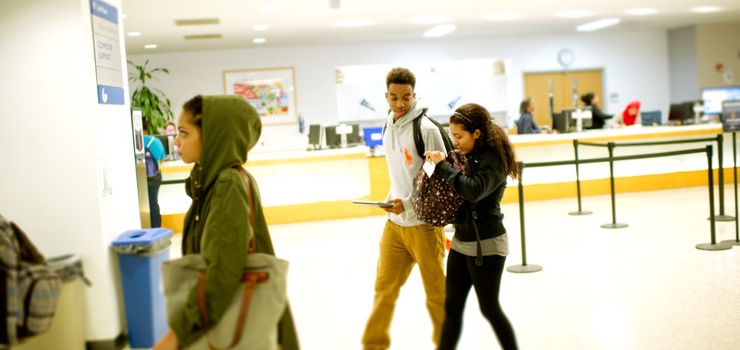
565 57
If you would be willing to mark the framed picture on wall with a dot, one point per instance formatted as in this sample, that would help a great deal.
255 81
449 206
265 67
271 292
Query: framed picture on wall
270 90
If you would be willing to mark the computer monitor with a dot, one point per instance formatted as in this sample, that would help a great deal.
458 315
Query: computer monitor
167 143
373 136
353 138
731 115
651 118
333 140
680 113
573 114
712 98
560 122
314 135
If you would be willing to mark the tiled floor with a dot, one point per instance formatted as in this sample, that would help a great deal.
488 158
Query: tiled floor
645 286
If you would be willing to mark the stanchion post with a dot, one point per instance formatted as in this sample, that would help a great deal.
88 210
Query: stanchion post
721 179
523 268
614 223
713 244
578 184
736 241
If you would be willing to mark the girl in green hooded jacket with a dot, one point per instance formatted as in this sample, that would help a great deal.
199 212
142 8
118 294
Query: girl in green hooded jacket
215 133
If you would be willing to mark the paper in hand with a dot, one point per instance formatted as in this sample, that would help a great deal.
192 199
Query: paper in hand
429 168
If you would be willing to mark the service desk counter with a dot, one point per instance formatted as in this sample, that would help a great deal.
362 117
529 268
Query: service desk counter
302 186
295 186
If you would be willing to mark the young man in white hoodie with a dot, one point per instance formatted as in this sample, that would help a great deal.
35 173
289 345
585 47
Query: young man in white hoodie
406 240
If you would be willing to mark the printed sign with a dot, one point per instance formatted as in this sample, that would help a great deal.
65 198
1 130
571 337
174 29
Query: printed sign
107 53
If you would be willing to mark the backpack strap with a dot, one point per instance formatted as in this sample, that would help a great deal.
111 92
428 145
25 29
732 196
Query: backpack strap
419 140
151 139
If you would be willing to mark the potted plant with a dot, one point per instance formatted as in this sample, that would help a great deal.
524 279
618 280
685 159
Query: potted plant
155 106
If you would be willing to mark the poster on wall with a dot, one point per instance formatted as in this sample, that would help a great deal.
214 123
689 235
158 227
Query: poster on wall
108 68
271 91
442 86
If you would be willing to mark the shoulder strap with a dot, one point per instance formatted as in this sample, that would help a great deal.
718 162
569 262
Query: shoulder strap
419 141
249 278
151 139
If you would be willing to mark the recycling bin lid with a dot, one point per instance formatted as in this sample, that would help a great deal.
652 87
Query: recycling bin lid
142 236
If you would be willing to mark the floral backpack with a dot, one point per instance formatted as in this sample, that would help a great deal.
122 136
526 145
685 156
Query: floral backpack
432 198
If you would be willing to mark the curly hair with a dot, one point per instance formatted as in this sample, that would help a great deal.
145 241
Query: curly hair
195 107
400 76
473 117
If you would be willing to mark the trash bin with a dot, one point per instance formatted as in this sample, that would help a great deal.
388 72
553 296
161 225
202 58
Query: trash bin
140 254
67 329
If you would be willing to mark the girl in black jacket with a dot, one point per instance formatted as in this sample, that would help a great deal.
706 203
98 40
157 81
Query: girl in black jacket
480 245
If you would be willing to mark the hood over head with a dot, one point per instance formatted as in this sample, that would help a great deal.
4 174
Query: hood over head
230 128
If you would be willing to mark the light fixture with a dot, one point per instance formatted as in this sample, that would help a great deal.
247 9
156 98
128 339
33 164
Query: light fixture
596 25
440 30
408 4
259 40
133 33
260 27
350 23
641 11
706 9
431 19
150 46
574 13
503 16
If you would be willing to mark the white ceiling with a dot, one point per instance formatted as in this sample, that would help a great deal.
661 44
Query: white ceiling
309 22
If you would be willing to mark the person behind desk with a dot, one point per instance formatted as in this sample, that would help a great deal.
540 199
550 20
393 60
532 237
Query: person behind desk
597 116
155 148
526 124
630 116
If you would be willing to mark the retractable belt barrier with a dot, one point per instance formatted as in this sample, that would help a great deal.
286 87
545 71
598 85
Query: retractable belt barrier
713 245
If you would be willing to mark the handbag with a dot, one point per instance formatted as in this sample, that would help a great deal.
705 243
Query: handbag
252 318
432 198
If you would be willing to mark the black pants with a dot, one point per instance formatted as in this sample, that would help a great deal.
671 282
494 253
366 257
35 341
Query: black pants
486 279
153 183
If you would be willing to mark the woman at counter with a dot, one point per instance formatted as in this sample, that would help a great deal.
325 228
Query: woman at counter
526 124
598 117
630 116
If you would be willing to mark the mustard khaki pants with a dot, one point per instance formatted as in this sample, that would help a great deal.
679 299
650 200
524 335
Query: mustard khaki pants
400 248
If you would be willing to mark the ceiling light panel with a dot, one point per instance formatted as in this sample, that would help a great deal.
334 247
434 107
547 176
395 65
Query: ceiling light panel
596 25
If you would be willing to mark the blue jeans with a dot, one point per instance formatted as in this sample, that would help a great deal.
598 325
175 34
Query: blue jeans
153 183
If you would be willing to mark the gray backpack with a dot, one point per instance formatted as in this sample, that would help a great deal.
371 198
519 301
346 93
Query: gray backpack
29 290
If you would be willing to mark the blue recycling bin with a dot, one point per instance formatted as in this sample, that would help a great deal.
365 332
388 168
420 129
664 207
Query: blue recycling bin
140 254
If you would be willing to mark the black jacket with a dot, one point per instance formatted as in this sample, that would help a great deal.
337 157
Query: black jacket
598 117
482 190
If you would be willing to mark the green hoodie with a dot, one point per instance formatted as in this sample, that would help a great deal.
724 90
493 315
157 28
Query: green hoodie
217 223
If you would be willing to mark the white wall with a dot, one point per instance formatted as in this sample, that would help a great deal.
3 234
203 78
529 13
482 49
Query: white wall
55 141
682 64
635 67
717 44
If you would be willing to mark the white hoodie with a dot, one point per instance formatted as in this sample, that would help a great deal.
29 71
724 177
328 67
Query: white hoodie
403 159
